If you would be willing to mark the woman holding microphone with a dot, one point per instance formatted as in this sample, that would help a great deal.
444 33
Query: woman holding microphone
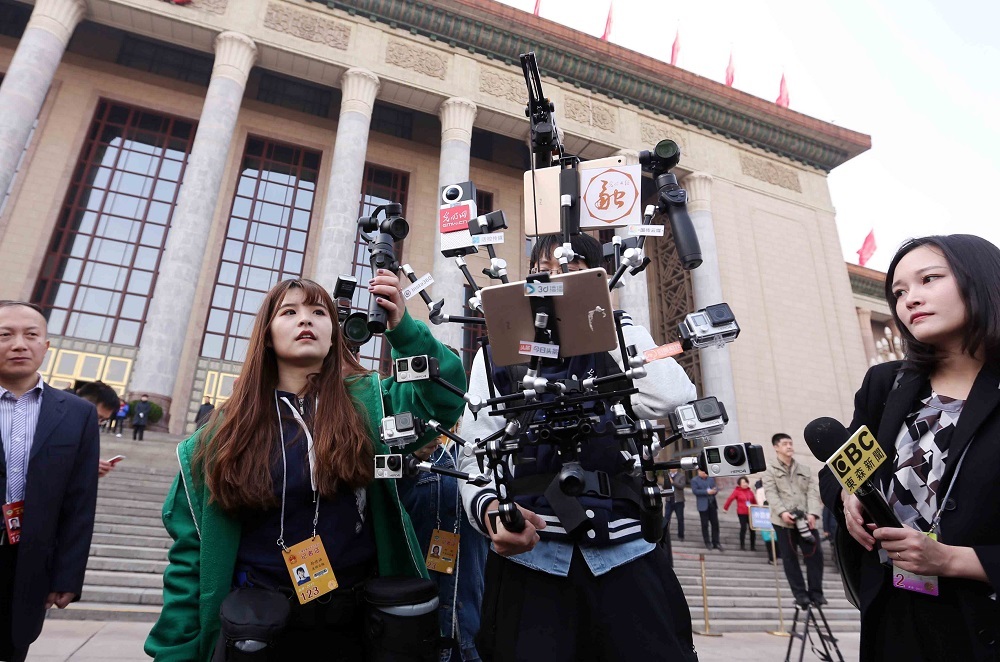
927 590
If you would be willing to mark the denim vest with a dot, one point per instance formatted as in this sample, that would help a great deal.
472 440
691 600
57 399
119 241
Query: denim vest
433 502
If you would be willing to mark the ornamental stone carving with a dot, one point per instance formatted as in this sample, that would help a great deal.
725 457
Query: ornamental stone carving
307 25
653 133
772 173
211 6
421 60
586 111
503 87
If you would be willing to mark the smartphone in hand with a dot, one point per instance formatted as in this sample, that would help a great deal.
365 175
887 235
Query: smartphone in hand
116 459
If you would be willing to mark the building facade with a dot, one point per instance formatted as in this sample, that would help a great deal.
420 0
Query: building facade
165 164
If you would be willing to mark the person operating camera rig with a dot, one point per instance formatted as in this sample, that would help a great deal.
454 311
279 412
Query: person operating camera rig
609 595
793 494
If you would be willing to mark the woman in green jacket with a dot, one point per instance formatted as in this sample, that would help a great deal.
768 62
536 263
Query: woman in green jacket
288 460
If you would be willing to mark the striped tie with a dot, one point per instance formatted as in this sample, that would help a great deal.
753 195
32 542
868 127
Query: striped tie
17 468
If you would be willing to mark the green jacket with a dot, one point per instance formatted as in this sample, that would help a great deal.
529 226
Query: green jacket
203 556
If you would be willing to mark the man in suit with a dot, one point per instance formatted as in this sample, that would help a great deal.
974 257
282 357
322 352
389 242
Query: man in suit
49 467
704 489
675 503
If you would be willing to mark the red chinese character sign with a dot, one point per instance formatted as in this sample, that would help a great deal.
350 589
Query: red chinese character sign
610 197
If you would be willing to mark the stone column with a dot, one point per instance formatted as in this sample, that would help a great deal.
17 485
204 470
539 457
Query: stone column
30 75
166 325
633 298
457 115
716 363
867 335
343 196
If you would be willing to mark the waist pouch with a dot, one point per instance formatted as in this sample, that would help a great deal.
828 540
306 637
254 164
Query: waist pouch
401 619
251 619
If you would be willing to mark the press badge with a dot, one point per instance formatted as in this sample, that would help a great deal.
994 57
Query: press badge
309 569
909 581
443 552
13 513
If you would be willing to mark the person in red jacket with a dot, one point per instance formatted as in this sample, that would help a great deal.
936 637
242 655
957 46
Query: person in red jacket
743 496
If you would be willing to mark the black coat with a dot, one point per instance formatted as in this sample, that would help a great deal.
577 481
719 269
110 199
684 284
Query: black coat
964 611
59 503
140 415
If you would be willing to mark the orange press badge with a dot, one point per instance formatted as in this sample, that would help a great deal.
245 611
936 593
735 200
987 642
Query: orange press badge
13 513
309 569
443 552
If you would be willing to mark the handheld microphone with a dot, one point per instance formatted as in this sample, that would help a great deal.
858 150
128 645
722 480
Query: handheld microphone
853 462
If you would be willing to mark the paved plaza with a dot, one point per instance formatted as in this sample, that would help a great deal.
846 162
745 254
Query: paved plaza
90 641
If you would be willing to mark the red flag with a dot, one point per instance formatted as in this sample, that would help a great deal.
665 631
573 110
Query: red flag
538 7
783 93
676 50
607 26
867 249
730 71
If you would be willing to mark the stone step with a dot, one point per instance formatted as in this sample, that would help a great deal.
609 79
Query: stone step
118 507
118 564
132 498
128 595
151 580
754 604
770 613
127 552
162 543
150 520
151 531
97 611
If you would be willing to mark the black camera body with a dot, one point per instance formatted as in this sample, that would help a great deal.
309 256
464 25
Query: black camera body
353 326
711 326
382 236
802 526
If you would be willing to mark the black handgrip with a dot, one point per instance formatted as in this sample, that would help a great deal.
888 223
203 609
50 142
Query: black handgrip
651 522
685 237
378 317
511 516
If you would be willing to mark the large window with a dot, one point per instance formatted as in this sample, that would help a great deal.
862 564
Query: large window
265 240
100 270
380 186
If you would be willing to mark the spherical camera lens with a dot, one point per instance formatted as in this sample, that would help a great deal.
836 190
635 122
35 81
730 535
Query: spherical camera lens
734 455
707 410
394 462
418 363
452 193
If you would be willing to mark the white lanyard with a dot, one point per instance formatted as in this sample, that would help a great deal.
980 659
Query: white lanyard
311 454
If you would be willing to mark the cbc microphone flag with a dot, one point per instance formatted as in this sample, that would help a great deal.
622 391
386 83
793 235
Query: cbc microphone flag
867 249
856 460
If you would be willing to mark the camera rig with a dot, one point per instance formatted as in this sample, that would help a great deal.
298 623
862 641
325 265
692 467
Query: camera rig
567 413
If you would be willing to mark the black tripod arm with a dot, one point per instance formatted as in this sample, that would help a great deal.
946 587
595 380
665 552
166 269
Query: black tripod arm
413 464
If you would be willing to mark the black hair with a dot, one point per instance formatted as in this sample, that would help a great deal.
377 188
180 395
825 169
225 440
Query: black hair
586 248
975 263
8 303
100 394
777 437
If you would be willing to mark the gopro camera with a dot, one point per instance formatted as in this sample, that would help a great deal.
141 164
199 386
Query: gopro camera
389 466
398 430
712 325
699 418
413 369
732 460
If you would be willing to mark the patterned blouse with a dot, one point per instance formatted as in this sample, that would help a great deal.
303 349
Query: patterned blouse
921 451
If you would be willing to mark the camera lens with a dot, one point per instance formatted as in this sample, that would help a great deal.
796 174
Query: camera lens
735 455
707 409
418 363
356 328
571 479
666 149
452 193
394 462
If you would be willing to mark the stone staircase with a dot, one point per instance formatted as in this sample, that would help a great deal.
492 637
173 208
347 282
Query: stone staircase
741 585
129 553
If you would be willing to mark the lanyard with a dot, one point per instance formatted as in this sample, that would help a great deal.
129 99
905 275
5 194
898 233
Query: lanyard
954 479
311 454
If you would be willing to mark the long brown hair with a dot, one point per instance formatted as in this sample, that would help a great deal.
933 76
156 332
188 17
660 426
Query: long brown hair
237 460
